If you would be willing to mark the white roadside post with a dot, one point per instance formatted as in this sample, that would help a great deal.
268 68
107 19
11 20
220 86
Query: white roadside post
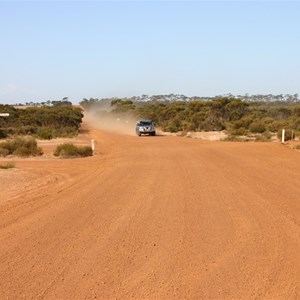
93 146
283 136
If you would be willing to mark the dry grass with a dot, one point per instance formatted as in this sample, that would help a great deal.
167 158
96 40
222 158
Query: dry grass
9 165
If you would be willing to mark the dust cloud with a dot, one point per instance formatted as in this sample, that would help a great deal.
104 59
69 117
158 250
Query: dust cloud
104 120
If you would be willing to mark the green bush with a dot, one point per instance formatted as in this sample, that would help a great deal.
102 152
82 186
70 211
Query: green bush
264 137
8 165
233 138
243 122
276 125
45 133
257 127
295 124
3 151
239 131
267 135
3 134
172 128
70 150
85 151
297 133
44 122
21 146
65 132
25 130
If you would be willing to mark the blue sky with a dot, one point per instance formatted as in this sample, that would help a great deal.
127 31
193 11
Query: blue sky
55 49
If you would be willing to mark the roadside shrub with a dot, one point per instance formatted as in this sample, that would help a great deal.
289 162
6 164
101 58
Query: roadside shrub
3 134
85 151
66 132
264 137
25 130
21 146
70 150
267 135
257 127
235 124
239 131
48 133
246 121
8 165
276 125
297 134
172 128
45 133
233 138
3 151
295 124
267 120
40 121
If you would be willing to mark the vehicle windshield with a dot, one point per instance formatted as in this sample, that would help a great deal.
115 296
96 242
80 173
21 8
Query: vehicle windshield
145 123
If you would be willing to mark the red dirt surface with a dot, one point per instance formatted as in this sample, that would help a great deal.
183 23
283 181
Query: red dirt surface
153 218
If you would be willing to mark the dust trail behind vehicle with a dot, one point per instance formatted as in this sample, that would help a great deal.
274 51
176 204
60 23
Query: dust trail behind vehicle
105 120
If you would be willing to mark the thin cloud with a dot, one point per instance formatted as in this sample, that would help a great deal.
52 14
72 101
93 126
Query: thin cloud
11 92
9 89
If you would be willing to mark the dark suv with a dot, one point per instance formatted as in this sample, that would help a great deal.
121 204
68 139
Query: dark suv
145 127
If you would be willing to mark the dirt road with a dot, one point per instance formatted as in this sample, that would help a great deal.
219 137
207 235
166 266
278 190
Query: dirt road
155 218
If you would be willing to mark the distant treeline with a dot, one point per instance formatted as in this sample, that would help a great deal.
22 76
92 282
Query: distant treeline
104 102
43 122
238 116
235 116
64 102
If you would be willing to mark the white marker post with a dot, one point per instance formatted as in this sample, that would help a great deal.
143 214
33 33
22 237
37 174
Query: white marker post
93 146
283 136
